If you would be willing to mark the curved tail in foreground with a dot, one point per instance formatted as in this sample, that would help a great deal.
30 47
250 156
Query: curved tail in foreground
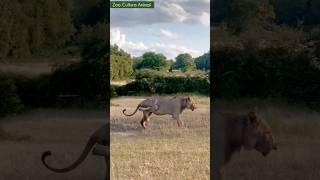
81 158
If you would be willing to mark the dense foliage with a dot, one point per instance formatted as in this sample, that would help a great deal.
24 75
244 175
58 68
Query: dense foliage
10 102
242 13
120 64
165 85
123 66
203 62
185 62
34 27
45 27
152 60
54 28
267 48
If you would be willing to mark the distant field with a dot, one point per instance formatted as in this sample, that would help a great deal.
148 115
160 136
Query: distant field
296 131
33 67
164 151
120 82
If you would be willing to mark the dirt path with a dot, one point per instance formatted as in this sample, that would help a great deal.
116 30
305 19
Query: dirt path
64 132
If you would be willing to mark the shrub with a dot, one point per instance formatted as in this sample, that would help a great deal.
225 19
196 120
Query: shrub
78 84
9 99
113 92
86 79
34 92
272 72
166 85
148 73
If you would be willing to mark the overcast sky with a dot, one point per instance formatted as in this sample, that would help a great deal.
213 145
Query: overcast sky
171 28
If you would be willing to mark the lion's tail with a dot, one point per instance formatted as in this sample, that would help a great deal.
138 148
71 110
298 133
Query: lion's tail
82 157
132 113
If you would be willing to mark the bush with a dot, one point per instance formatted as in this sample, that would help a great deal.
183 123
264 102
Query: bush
78 84
35 92
272 72
9 99
85 79
113 92
148 73
166 85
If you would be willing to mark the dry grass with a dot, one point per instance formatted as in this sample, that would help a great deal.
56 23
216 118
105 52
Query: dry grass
296 130
120 82
164 151
65 132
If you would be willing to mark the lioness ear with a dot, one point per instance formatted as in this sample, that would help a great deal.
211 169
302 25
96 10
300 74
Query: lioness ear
188 98
184 101
252 117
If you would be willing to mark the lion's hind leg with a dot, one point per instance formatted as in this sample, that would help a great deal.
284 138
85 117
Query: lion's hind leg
145 119
143 123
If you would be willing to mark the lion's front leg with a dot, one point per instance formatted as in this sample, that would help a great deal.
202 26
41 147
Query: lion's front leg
179 122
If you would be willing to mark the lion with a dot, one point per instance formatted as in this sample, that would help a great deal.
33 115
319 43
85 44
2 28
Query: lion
100 136
234 132
163 106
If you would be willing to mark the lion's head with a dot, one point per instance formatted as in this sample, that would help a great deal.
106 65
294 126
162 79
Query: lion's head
258 135
188 103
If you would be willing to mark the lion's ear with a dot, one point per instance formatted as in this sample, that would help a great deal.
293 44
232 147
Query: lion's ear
252 118
188 98
184 101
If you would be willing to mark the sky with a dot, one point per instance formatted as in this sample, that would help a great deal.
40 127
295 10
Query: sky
171 28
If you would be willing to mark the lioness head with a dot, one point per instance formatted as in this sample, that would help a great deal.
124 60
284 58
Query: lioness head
258 135
188 103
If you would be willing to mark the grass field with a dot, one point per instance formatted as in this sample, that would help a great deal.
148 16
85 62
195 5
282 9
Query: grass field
163 151
296 130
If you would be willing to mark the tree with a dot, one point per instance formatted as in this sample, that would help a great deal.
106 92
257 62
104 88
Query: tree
247 14
4 28
136 62
184 62
171 62
88 12
152 60
203 62
33 27
120 64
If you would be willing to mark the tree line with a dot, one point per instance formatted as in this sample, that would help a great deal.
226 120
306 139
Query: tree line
123 65
45 27
243 13
267 48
